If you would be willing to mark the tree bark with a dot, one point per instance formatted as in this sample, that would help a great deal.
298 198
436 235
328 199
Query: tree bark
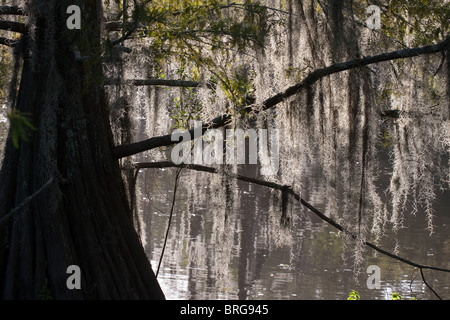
81 217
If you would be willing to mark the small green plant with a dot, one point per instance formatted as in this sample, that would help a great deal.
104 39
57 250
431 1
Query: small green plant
396 296
19 122
353 295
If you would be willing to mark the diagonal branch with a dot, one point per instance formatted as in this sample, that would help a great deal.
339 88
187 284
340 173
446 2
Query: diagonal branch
426 283
162 141
177 176
27 200
273 185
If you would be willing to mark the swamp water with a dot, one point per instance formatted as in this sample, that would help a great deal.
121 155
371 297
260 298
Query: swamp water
252 257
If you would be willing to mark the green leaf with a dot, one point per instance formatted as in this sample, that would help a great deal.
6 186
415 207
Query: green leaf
396 296
353 295
19 122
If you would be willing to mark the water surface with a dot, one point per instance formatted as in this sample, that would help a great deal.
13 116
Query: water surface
245 254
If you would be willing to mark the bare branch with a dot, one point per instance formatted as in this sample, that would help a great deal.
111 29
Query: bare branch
8 42
126 35
122 48
113 26
426 283
12 10
13 26
77 54
159 82
162 141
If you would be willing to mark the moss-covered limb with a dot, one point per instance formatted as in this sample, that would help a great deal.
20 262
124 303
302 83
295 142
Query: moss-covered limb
161 141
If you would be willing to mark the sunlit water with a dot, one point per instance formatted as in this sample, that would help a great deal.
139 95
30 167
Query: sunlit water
251 265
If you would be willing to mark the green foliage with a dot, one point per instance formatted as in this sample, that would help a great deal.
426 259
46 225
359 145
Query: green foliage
19 122
184 28
239 86
187 108
412 22
396 296
200 32
353 295
423 20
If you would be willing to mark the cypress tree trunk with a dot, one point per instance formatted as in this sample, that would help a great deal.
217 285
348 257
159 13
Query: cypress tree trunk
62 199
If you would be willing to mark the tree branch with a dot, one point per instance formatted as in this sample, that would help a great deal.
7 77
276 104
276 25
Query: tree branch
125 36
77 54
161 141
13 26
12 10
111 26
158 82
426 283
27 200
273 185
8 42
177 176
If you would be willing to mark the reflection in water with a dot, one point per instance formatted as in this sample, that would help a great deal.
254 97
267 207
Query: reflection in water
218 254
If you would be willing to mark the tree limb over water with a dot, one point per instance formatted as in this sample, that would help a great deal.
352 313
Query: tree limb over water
121 151
284 188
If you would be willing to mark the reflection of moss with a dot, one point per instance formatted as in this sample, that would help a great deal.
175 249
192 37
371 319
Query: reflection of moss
329 247
184 262
3 134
